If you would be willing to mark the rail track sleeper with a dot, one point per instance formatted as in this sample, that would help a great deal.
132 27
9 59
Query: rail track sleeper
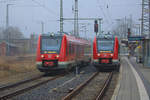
76 91
105 86
17 92
19 83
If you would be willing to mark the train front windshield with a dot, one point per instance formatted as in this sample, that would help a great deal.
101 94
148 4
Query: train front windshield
105 45
50 44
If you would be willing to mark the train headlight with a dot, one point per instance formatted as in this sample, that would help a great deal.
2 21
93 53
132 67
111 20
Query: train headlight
111 54
98 54
42 56
57 56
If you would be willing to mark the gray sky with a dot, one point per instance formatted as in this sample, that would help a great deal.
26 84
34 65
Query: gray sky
28 14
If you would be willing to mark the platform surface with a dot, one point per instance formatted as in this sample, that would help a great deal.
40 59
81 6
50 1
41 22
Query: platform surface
132 81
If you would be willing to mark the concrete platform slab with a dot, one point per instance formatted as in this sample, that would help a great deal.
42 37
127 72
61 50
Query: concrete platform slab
128 88
144 73
130 85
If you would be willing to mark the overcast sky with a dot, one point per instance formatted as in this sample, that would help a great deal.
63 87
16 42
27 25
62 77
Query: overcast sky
28 14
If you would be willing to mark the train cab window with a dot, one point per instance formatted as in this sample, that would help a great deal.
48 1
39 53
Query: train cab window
105 45
50 44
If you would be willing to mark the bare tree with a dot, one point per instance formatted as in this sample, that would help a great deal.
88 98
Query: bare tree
1 33
12 33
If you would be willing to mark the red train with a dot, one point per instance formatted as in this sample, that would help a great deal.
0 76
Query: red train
106 52
56 52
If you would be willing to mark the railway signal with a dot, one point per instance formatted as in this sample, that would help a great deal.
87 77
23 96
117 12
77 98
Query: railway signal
96 27
129 32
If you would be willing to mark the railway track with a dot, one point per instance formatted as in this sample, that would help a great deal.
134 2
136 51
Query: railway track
81 92
12 90
19 83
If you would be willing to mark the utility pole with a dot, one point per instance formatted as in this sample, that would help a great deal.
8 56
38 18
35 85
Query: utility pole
61 16
7 16
7 25
126 27
99 27
76 32
42 25
149 17
89 19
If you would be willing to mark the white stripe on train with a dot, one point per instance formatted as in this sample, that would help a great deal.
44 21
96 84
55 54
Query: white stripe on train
60 63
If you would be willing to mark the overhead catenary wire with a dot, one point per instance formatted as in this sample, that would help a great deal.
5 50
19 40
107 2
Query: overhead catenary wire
35 1
5 1
109 15
46 8
104 15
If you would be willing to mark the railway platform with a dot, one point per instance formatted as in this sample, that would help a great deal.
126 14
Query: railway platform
134 81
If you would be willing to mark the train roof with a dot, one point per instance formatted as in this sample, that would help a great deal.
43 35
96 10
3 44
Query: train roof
52 34
105 36
77 40
70 38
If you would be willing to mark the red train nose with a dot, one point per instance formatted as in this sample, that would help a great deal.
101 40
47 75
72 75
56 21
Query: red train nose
105 61
48 63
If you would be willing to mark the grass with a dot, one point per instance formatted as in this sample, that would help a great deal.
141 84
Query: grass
16 64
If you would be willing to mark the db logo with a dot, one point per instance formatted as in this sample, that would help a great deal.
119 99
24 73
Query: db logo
49 56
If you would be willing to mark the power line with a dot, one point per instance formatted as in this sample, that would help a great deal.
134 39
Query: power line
46 8
108 20
104 14
4 1
108 15
49 10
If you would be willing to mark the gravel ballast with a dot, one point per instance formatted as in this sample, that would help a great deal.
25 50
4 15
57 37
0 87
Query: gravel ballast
57 89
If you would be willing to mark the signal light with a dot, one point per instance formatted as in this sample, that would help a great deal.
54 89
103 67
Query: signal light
129 32
96 27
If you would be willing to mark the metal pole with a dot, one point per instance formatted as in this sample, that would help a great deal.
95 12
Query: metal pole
42 25
61 16
126 33
149 17
142 27
85 32
76 32
77 18
139 30
7 25
7 16
99 26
